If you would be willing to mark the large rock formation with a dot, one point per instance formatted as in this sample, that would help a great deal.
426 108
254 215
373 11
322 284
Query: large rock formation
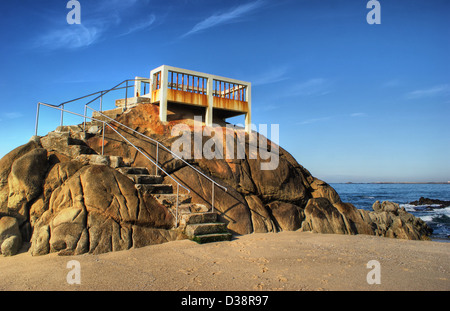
62 202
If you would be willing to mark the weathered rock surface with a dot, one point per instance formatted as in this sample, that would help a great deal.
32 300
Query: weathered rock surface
96 210
432 203
63 198
10 236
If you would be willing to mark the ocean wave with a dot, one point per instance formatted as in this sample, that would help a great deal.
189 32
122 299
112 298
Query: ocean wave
427 219
408 207
431 207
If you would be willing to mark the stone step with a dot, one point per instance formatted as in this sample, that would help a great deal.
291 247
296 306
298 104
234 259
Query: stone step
69 129
155 188
133 170
74 133
146 179
131 101
62 142
198 218
97 159
170 200
212 237
113 113
205 228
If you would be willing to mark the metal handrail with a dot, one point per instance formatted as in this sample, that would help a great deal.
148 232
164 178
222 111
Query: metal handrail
168 150
126 140
103 92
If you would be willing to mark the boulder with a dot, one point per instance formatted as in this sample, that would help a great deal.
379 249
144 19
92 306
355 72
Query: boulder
322 217
262 221
6 164
25 180
10 236
388 219
95 210
432 203
11 246
288 216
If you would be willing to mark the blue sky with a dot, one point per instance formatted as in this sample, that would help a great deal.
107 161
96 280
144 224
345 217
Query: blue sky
355 102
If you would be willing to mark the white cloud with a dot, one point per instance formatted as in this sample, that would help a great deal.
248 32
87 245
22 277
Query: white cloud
12 115
336 117
273 75
150 20
358 114
312 87
70 37
438 90
314 120
226 17
96 20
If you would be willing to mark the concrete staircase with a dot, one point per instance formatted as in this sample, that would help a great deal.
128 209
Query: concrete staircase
205 228
199 225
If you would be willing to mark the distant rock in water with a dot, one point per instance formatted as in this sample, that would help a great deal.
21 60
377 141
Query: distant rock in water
58 193
429 202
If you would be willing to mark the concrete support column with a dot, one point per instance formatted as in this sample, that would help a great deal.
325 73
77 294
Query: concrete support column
209 109
163 95
248 118
137 87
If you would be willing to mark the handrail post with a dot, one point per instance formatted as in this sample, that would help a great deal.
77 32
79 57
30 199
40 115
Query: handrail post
84 123
157 159
126 95
62 115
37 119
103 138
101 102
212 199
176 212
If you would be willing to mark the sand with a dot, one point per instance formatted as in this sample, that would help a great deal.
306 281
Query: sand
267 261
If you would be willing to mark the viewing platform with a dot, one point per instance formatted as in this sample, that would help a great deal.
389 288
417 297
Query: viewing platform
214 96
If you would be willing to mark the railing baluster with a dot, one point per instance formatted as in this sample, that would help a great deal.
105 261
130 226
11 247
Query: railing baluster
187 83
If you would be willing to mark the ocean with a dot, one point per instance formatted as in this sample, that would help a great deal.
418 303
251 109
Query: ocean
364 195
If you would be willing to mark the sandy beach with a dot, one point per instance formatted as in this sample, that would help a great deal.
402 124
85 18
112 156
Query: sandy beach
275 261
